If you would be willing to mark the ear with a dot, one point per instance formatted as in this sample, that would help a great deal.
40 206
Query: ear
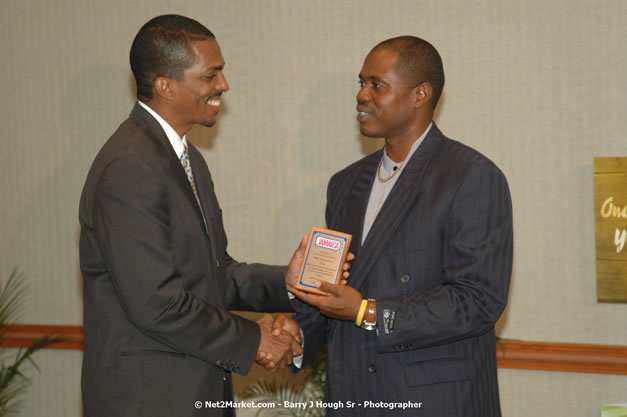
164 87
423 94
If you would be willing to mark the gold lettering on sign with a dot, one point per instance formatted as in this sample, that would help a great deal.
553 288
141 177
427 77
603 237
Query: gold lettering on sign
619 239
608 209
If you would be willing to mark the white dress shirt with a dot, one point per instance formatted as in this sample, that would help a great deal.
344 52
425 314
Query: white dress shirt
175 140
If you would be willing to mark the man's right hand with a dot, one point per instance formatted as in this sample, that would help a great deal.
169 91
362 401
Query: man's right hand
276 347
283 324
293 268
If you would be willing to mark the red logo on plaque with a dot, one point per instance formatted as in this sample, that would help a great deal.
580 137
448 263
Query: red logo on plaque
327 243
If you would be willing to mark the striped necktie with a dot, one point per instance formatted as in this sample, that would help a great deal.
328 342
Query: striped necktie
190 176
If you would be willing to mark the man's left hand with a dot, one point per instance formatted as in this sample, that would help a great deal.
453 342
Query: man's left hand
342 303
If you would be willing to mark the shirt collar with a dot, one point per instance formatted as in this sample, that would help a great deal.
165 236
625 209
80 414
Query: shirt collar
388 164
177 143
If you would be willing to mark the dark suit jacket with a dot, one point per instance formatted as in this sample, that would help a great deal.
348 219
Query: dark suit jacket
157 286
438 261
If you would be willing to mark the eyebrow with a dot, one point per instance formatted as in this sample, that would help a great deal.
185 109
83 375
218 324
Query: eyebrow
371 78
214 69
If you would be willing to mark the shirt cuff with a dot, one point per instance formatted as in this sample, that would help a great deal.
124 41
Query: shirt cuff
297 361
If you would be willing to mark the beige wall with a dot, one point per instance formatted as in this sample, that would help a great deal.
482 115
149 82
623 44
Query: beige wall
538 86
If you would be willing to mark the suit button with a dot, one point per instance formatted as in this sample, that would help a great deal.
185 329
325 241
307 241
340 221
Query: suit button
404 278
372 369
217 264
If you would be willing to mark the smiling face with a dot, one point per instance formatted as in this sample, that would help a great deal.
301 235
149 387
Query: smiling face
196 98
386 106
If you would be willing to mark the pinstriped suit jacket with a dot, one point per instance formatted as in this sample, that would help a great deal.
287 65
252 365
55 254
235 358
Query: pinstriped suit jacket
438 260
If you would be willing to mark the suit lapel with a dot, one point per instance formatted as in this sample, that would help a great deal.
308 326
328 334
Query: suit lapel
209 203
358 201
156 133
204 187
402 198
182 181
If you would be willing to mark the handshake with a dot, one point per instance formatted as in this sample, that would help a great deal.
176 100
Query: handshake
280 342
281 338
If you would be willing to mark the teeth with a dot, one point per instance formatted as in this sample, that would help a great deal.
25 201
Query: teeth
362 113
213 102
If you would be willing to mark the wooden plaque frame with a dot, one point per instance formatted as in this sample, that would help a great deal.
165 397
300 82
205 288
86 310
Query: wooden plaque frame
325 255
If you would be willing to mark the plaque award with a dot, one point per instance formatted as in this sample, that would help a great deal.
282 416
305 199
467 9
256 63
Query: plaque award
325 254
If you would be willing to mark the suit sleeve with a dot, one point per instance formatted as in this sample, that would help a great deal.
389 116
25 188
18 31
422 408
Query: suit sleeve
477 264
131 223
250 287
256 287
314 328
313 324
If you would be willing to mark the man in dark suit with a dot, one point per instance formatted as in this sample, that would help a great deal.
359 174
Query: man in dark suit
158 281
431 221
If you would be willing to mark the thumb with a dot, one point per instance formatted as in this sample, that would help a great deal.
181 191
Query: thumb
303 245
329 288
277 325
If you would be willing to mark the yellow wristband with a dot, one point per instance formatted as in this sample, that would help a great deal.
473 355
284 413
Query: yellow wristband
360 315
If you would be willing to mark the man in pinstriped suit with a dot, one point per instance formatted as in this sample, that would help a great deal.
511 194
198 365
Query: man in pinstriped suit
431 221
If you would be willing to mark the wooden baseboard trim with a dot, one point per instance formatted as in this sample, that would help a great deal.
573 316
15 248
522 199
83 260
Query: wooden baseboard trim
513 354
563 357
23 335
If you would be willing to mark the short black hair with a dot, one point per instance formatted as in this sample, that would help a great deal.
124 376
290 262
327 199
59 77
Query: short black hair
418 62
162 48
